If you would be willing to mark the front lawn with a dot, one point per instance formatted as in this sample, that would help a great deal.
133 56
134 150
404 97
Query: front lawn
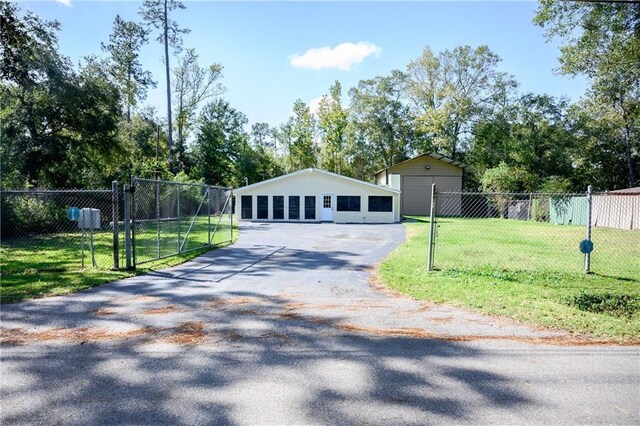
51 265
528 271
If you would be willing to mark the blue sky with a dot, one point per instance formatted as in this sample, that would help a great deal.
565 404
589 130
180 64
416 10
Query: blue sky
255 42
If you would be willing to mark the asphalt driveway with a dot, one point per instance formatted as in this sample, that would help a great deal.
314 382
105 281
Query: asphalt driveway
287 327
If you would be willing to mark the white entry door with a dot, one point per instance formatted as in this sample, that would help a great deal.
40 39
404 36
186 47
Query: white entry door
326 208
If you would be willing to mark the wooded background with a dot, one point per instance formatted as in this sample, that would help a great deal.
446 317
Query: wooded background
64 126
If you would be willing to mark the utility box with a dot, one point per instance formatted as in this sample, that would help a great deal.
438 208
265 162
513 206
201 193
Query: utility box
89 219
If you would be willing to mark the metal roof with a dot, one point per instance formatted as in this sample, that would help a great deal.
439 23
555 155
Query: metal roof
313 170
628 191
431 154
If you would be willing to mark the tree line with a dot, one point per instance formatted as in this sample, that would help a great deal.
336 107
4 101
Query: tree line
66 126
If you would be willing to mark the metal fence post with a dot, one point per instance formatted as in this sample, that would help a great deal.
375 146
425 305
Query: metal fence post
432 227
587 256
127 225
178 207
209 215
115 212
231 213
157 219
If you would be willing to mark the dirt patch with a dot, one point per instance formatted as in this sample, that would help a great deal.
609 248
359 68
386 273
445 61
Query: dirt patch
20 336
187 333
103 311
162 310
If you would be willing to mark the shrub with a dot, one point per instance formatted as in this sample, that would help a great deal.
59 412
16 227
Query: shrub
619 305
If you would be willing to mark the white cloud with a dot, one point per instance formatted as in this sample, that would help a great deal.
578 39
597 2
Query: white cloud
341 57
65 2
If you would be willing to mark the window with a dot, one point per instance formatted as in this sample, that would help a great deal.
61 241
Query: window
246 207
294 207
348 203
380 204
310 207
278 206
326 201
263 207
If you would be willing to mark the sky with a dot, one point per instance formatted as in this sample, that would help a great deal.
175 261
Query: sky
276 52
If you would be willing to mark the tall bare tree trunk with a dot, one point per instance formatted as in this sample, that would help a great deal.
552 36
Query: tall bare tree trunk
167 70
630 172
128 95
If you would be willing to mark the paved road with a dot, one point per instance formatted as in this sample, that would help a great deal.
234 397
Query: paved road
285 327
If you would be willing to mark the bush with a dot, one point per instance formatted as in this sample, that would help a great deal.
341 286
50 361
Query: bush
540 209
619 305
27 215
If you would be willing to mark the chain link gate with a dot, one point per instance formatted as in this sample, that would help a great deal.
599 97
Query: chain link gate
170 218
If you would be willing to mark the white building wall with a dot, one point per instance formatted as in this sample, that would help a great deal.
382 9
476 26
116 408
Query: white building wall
316 184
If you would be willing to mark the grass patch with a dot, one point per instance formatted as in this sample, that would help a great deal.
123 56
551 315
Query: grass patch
52 265
524 270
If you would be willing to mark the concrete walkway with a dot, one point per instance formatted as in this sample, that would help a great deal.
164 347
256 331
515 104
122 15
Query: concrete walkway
285 327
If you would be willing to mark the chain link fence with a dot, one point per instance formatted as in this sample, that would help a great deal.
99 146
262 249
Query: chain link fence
537 232
58 230
61 231
171 217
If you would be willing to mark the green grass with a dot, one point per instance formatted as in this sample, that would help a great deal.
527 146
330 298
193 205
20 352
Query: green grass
529 271
51 265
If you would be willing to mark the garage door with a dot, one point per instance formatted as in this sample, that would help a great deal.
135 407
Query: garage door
416 195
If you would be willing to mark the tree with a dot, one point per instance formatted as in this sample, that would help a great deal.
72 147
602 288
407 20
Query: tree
193 85
155 13
602 42
598 156
302 151
59 127
219 141
453 90
332 126
124 45
283 139
262 136
383 125
532 136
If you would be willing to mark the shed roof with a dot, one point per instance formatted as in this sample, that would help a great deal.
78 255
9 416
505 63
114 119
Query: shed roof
628 191
317 171
431 154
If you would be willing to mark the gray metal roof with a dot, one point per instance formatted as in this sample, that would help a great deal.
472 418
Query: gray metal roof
628 191
431 154
318 171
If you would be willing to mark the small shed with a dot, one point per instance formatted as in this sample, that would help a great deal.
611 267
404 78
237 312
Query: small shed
416 176
313 195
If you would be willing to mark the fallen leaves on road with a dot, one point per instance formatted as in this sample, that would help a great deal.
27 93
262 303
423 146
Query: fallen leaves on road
20 336
162 310
187 333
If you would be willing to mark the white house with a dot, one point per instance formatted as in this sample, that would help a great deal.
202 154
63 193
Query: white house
313 195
